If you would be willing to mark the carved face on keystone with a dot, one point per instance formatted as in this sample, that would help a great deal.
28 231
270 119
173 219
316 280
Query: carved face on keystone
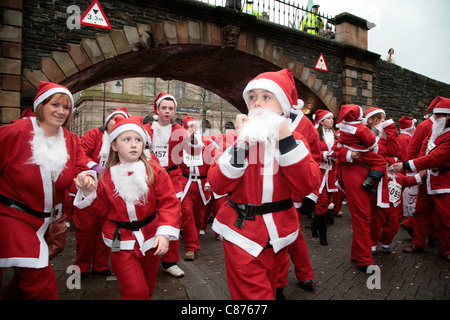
230 36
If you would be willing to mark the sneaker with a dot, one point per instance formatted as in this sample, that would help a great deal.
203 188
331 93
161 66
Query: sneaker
175 271
385 247
189 256
202 232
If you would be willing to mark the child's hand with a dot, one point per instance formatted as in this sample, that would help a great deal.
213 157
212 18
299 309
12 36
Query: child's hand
240 120
161 245
283 131
86 183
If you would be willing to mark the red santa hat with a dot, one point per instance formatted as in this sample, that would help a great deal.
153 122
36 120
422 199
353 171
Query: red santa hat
350 112
321 115
407 123
281 84
439 105
122 111
158 100
373 111
133 123
47 89
187 121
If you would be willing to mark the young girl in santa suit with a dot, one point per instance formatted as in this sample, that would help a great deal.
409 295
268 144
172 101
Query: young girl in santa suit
40 158
142 210
169 139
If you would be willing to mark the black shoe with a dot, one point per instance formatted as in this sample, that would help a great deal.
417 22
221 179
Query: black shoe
433 242
363 268
105 273
84 275
369 185
279 295
306 285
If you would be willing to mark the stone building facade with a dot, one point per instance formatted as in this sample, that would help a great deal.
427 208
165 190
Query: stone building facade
94 104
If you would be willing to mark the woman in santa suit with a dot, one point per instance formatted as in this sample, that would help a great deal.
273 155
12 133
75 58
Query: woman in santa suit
351 175
323 120
142 211
43 158
169 139
91 250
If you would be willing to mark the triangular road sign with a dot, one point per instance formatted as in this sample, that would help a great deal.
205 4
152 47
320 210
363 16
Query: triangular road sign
95 17
321 64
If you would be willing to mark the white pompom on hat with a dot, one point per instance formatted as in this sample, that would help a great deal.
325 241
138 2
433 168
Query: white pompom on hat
46 90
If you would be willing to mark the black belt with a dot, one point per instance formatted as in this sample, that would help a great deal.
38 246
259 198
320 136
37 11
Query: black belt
171 168
249 211
133 226
192 176
23 207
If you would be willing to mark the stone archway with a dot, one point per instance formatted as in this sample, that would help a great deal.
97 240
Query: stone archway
188 51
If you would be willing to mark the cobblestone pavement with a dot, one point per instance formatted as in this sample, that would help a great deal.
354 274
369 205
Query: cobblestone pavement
418 276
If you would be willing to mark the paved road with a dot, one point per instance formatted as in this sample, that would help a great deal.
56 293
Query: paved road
419 276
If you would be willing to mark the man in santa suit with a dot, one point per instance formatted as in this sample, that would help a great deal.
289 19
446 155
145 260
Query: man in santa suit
436 160
260 174
169 139
42 159
415 149
407 128
90 248
195 198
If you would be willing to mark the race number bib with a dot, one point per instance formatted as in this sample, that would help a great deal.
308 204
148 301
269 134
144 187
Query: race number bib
395 191
430 146
192 161
327 165
161 151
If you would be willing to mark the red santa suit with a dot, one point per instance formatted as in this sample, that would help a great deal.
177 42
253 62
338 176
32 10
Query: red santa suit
356 136
35 173
265 186
385 222
194 199
437 162
90 248
168 143
407 127
298 250
135 214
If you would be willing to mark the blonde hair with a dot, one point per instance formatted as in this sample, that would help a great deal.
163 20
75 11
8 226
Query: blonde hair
62 98
113 159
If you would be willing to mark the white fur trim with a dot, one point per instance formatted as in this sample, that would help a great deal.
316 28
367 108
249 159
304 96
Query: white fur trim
374 112
441 110
165 97
271 86
125 127
51 92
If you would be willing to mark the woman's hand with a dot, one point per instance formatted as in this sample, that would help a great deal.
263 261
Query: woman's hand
85 182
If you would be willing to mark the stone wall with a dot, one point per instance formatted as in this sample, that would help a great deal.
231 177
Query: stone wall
402 92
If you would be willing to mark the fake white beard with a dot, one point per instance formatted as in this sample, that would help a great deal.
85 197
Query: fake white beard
261 126
130 181
438 127
50 153
104 151
161 134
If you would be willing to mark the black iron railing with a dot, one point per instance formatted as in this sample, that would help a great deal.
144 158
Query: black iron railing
288 13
